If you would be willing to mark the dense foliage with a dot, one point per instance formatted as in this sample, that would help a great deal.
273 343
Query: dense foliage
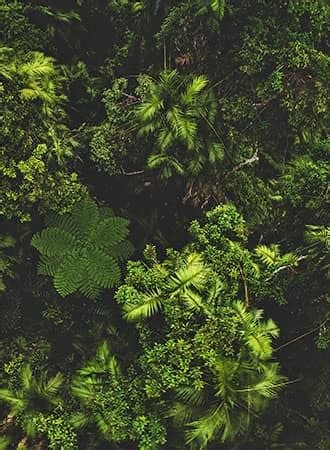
164 244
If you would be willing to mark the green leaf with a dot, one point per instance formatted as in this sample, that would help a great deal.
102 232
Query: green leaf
70 274
110 231
102 268
152 303
193 89
53 242
85 215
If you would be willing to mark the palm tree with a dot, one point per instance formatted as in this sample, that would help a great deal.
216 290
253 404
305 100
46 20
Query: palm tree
236 391
33 396
89 388
236 388
180 113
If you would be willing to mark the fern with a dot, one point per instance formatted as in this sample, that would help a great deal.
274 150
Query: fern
168 165
257 334
81 250
152 303
217 7
268 255
193 273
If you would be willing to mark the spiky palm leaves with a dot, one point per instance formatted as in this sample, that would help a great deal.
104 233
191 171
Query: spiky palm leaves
235 387
82 249
90 385
184 286
35 395
179 112
224 407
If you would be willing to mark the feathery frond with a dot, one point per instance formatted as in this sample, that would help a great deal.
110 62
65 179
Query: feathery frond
151 303
81 251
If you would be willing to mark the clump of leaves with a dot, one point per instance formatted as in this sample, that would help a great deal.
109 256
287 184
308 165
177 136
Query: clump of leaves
81 250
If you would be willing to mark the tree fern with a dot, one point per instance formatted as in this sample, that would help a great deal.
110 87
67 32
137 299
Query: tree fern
82 249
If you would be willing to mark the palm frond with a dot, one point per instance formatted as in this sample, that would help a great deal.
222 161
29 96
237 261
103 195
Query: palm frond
268 254
194 88
151 303
193 273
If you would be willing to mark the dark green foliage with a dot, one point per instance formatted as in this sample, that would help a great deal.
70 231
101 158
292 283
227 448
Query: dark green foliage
81 250
35 143
172 112
215 353
114 403
6 242
175 111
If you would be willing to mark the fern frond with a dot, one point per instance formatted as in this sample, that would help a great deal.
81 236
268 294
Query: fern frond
39 66
193 89
165 139
181 413
216 152
102 269
193 273
7 241
80 420
53 242
85 215
216 421
149 108
70 273
105 212
26 376
193 301
218 7
53 385
152 304
64 222
109 232
191 395
122 251
168 165
49 265
8 397
268 254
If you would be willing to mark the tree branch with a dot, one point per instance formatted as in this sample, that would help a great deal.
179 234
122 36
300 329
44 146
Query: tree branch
136 172
279 269
247 162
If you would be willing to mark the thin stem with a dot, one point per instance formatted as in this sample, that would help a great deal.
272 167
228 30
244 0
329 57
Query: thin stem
302 336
